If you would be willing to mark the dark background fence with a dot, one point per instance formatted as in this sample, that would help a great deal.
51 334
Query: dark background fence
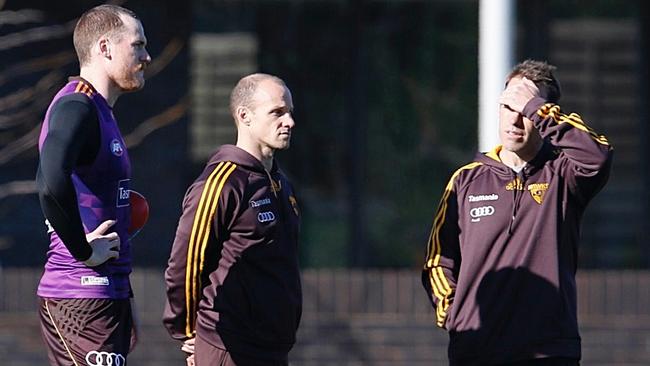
355 317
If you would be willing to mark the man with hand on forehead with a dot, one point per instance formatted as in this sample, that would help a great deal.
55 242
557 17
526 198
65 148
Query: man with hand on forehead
83 179
502 255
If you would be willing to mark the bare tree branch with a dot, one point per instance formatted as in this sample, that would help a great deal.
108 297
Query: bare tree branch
27 95
38 64
19 146
17 187
36 35
168 54
167 117
20 16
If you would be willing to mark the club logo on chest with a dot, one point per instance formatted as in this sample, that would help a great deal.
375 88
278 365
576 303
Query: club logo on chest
116 147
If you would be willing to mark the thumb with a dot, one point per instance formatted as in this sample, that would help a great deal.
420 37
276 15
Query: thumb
101 229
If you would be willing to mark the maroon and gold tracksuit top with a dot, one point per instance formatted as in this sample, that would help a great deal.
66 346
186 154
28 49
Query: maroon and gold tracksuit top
502 255
233 276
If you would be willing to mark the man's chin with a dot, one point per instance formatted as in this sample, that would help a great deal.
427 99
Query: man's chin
513 146
132 86
133 89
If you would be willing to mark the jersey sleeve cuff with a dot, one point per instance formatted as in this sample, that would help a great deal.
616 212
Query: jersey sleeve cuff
531 108
83 253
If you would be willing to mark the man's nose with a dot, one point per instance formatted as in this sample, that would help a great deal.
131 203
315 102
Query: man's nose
289 122
147 57
517 120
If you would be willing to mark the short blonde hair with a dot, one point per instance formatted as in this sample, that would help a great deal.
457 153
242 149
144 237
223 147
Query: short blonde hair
242 94
94 23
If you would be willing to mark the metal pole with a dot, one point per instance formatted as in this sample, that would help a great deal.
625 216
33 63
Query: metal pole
496 44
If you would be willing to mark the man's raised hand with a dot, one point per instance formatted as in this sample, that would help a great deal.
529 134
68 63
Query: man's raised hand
518 93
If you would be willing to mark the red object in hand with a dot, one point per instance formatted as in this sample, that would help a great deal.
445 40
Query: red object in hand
139 212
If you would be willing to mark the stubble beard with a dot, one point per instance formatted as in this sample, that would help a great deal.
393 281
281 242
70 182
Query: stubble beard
284 144
130 81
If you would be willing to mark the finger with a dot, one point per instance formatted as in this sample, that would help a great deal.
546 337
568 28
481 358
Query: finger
527 81
113 254
528 84
112 236
101 229
533 87
187 349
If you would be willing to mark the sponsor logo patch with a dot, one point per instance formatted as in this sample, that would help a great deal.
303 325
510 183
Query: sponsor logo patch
477 212
97 358
123 193
265 216
116 147
262 202
515 184
483 197
94 281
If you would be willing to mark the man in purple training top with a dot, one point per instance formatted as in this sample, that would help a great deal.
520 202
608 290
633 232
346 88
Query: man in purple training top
83 183
502 256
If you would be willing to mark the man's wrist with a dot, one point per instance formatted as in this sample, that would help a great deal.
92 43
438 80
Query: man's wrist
533 105
84 253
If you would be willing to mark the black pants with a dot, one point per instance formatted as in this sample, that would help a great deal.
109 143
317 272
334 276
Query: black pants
206 354
553 361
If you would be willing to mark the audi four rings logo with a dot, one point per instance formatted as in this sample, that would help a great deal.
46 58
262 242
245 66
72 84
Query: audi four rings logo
95 358
478 212
265 216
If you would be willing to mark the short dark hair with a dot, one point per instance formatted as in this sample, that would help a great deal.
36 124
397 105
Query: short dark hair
541 73
94 23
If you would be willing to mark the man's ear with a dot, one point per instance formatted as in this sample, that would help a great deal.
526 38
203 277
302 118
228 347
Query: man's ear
243 115
104 47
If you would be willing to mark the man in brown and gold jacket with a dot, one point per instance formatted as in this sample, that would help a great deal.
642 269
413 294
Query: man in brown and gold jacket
502 255
233 280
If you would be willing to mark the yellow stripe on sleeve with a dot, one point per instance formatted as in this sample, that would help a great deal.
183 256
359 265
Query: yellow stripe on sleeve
439 284
213 210
574 119
84 88
198 236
